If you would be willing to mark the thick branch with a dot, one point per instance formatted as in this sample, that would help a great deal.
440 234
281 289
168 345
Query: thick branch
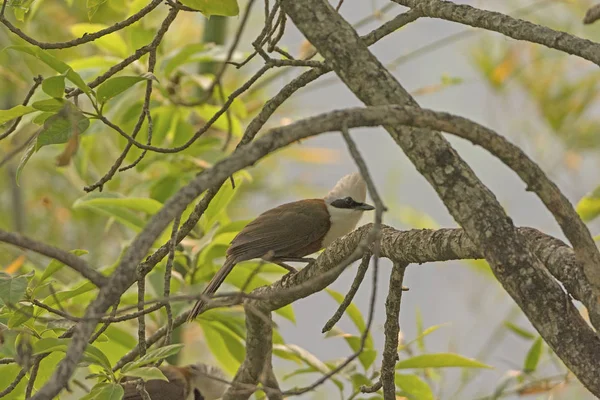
392 329
69 259
509 26
471 204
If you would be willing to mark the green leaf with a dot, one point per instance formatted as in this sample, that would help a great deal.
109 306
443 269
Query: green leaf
414 386
21 315
115 86
56 265
93 6
152 356
533 356
50 344
60 127
354 313
7 376
224 344
440 360
588 207
180 57
51 105
69 294
24 158
15 112
105 391
12 290
94 355
54 86
227 8
524 333
112 43
20 8
426 332
146 373
55 64
217 209
42 117
207 111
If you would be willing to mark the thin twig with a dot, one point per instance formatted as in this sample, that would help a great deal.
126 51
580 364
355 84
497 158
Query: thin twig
37 81
360 275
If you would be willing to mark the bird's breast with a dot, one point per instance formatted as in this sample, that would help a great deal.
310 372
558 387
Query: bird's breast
343 221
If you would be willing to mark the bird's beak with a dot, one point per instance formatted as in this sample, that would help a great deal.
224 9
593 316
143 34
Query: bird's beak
365 207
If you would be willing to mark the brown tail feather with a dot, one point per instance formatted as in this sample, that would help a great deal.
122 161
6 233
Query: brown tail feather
212 287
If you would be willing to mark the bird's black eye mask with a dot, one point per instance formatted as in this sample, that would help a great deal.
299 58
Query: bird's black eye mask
347 202
198 395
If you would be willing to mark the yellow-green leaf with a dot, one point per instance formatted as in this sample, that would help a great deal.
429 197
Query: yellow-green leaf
414 386
588 207
533 356
114 86
15 112
440 360
228 8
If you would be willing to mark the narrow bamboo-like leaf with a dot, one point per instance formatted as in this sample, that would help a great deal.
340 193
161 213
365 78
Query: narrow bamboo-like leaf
355 315
440 360
228 8
525 334
533 356
152 356
15 112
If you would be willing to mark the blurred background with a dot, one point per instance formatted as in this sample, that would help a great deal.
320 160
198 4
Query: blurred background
542 100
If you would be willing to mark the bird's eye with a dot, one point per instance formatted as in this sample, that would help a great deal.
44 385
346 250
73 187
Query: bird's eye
348 200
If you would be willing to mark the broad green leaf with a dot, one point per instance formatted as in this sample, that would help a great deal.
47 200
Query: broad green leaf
414 386
24 158
93 6
588 207
51 105
299 355
112 43
354 313
7 376
115 86
15 112
50 344
105 391
55 64
59 128
440 360
94 355
524 333
12 289
83 288
56 265
146 373
42 117
102 62
220 346
533 356
21 315
227 8
152 356
54 86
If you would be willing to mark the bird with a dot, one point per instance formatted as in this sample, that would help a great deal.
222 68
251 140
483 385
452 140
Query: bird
191 382
294 230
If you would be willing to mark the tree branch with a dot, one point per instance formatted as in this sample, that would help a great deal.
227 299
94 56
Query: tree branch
471 204
508 26
69 259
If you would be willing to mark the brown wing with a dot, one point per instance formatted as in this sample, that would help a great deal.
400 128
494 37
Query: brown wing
175 389
290 230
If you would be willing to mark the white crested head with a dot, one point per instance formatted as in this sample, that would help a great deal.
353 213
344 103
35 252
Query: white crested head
351 185
345 205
